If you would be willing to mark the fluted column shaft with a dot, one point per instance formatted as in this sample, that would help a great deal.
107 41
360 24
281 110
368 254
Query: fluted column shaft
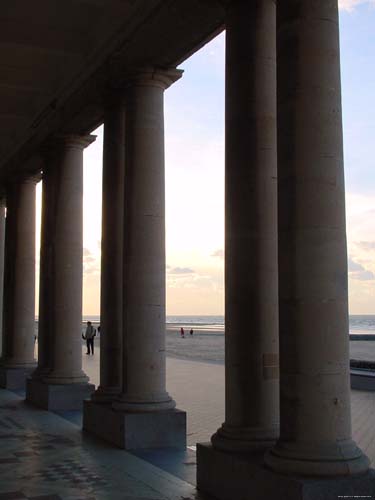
251 306
63 267
144 245
19 276
111 305
315 392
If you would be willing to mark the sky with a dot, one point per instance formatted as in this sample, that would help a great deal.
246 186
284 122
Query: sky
194 148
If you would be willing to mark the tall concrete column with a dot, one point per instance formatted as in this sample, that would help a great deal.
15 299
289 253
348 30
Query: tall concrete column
111 307
65 384
2 249
251 285
19 285
46 270
315 437
144 376
143 416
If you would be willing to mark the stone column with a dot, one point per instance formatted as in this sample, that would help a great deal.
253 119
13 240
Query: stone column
143 416
144 245
46 271
19 285
2 248
65 384
111 309
315 434
251 302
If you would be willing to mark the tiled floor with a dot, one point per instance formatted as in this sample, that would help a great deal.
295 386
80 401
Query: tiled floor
44 456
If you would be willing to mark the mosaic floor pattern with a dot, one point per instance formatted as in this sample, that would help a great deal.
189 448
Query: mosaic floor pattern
45 457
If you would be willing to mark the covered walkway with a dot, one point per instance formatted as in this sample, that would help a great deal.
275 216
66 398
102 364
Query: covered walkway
44 455
287 433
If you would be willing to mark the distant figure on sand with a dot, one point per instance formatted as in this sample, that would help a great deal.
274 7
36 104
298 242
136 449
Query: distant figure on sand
182 331
89 336
191 332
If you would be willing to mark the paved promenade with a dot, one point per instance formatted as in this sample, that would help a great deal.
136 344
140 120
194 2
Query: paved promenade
198 388
46 457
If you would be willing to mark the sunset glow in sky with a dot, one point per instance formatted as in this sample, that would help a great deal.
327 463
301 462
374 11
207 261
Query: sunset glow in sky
194 139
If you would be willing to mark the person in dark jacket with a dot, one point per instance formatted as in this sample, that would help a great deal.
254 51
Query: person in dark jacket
89 337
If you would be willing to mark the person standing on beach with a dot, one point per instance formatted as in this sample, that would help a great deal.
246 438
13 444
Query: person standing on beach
89 336
182 333
191 331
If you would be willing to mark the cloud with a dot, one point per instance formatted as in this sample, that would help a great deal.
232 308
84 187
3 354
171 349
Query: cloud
354 266
181 270
358 272
91 263
350 5
366 245
218 253
364 276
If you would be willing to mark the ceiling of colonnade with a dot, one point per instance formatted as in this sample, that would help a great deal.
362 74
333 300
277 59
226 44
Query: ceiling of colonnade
57 57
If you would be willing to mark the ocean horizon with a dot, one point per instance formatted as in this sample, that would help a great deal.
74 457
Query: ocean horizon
358 323
207 343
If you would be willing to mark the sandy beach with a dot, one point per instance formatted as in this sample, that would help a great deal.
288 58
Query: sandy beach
206 343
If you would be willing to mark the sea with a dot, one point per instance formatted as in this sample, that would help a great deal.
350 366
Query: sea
358 324
207 343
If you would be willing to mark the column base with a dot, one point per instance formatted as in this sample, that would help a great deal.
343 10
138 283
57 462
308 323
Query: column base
160 402
225 475
15 378
132 431
332 459
106 394
245 439
56 397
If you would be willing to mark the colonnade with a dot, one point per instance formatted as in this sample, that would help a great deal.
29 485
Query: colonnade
295 297
285 265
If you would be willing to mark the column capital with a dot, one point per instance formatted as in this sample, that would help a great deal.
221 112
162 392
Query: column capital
151 76
14 181
69 141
